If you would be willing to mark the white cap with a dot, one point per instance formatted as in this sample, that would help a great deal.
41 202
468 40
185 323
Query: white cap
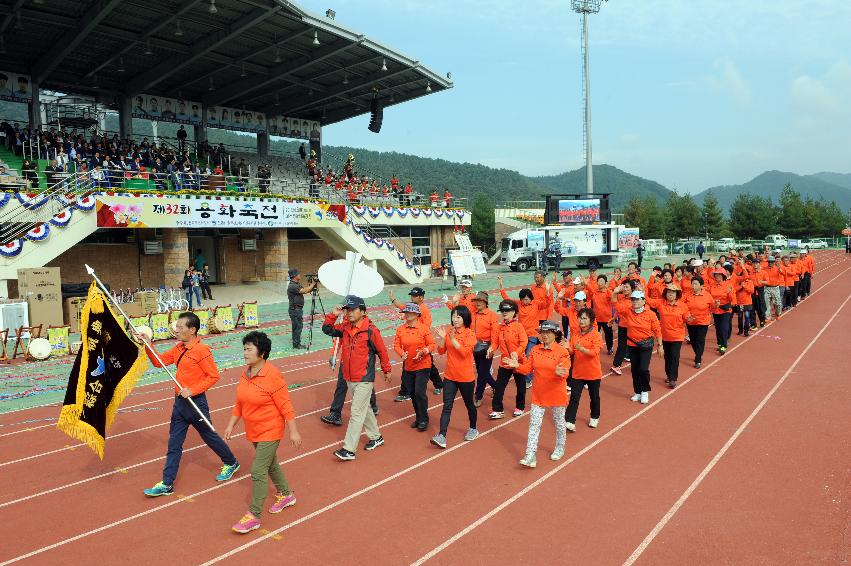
696 262
803 251
466 283
579 296
577 281
637 294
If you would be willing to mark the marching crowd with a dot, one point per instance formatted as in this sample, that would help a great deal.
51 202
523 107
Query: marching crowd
672 305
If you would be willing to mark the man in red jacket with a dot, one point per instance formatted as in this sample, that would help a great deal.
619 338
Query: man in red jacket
360 344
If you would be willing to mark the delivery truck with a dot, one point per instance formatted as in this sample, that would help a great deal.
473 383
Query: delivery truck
552 247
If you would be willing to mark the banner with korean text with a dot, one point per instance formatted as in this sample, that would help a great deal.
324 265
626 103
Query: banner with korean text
148 212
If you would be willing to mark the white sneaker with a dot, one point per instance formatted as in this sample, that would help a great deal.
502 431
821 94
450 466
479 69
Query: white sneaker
645 398
593 423
557 454
496 415
529 461
570 426
518 412
636 397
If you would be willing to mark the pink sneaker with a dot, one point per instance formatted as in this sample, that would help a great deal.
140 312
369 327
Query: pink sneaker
248 523
281 502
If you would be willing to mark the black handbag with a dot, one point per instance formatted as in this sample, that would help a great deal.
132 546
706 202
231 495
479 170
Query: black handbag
646 344
481 346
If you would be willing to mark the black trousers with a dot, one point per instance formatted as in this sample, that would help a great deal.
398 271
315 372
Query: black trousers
503 376
416 382
565 326
483 372
697 338
672 359
206 293
434 375
723 326
450 389
622 351
808 284
607 333
576 388
758 305
296 317
640 366
340 397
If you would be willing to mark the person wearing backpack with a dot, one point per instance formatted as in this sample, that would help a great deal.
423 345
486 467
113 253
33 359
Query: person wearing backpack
361 347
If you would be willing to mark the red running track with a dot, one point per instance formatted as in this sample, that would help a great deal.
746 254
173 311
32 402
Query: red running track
619 492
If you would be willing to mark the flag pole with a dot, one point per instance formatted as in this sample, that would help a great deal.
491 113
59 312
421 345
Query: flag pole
352 259
148 345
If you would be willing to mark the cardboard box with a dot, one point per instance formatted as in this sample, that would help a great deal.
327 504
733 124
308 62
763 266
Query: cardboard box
71 310
132 310
42 288
147 300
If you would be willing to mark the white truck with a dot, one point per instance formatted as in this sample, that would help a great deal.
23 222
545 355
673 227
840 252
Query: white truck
581 245
777 241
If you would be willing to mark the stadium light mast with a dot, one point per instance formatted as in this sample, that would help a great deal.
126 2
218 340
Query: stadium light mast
586 7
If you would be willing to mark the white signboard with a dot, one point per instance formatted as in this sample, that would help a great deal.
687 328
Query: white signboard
163 109
236 119
580 242
298 128
463 241
468 262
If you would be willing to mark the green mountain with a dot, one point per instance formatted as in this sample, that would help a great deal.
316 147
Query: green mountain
839 179
607 179
770 184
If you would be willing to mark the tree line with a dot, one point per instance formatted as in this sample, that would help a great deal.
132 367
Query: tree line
751 217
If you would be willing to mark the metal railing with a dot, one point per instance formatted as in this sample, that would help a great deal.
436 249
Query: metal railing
39 208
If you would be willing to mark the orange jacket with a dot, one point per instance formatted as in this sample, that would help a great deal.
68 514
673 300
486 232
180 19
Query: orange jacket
811 264
672 319
587 366
572 317
527 314
263 402
640 326
410 339
723 293
466 300
759 279
511 337
195 367
543 300
700 307
793 272
744 291
601 303
425 315
459 361
776 275
548 389
486 325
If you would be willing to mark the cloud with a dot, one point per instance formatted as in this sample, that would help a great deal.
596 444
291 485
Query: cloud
630 139
813 96
729 81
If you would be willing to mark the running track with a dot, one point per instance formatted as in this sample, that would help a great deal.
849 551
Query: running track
746 462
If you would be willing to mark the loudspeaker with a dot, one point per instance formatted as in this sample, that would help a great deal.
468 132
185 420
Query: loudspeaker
377 116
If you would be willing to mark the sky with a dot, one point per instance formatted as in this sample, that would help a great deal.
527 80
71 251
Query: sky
689 93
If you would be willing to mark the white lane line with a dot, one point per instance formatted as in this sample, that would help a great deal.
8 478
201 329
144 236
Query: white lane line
720 454
484 518
147 512
124 469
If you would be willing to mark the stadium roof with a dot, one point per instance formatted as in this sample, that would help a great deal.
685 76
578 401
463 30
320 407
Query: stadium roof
259 54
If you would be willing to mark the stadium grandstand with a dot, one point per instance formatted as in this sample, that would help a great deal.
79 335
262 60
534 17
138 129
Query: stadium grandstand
202 73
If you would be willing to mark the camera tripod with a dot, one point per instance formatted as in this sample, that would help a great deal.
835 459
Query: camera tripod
314 298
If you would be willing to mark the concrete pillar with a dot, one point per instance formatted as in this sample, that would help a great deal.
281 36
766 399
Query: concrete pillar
263 144
276 254
4 289
175 255
34 108
125 117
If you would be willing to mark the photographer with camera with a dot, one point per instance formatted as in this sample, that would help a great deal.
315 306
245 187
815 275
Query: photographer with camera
295 296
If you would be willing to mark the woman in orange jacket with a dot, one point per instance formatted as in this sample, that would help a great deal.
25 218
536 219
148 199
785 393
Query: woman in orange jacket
744 287
643 333
551 360
586 346
414 343
460 375
722 313
700 304
529 314
263 404
602 305
512 342
673 318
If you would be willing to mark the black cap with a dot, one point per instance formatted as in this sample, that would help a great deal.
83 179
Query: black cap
417 292
508 306
548 326
293 272
354 302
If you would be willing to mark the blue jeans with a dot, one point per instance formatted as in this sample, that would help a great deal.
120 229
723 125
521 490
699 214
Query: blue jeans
197 292
723 325
483 373
529 345
183 415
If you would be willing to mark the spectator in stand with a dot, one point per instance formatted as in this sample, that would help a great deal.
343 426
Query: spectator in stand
29 170
447 198
434 198
181 139
302 152
409 190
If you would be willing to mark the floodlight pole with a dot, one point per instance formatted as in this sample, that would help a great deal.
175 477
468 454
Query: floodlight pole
589 170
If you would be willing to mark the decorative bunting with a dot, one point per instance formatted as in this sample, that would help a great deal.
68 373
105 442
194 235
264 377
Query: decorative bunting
86 203
39 233
62 219
32 201
5 198
12 248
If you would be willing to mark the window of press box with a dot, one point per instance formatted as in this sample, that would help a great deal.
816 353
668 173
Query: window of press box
110 236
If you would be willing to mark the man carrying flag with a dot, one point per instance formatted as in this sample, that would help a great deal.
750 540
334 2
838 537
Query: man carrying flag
105 371
196 371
